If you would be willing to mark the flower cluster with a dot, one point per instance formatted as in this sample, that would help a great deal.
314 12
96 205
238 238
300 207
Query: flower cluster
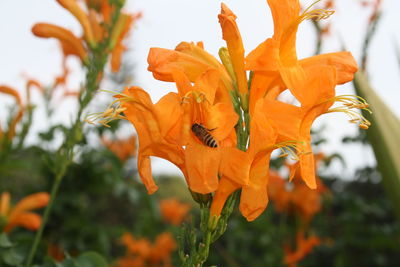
301 202
96 17
20 214
141 253
222 125
296 198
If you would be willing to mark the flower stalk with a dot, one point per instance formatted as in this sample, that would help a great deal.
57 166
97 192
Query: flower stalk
98 56
213 227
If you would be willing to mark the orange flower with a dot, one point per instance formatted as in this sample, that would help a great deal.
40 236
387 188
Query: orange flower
174 211
304 246
71 44
20 214
231 35
141 252
192 60
165 130
12 127
312 81
152 130
140 247
296 197
119 33
123 149
254 197
73 7
163 247
199 127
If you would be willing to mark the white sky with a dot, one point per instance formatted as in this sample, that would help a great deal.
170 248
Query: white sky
165 23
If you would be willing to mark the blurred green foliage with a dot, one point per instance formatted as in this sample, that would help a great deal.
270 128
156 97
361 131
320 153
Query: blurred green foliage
101 198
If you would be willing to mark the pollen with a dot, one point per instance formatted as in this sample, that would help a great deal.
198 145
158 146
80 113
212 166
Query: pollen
348 104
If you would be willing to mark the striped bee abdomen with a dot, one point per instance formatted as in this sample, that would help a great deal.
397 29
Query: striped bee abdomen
203 134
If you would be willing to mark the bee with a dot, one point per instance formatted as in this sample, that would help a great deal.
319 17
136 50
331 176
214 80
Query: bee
203 134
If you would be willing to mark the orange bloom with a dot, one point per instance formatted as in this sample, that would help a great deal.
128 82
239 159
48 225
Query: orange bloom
12 127
73 7
71 44
231 35
304 246
165 130
312 81
123 149
140 247
119 33
254 197
199 127
174 211
296 197
20 214
141 252
163 247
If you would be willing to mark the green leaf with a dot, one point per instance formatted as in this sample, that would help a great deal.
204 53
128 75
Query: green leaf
11 257
4 241
90 259
383 135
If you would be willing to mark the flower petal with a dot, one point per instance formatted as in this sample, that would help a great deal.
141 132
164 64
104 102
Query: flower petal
27 220
70 43
343 62
225 188
254 197
222 119
202 164
144 169
231 35
235 165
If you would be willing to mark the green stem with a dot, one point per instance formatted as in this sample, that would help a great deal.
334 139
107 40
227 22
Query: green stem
46 214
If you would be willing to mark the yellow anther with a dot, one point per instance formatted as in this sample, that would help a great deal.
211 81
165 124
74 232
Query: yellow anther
316 14
199 97
350 102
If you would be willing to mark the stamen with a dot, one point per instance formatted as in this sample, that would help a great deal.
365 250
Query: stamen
110 114
316 14
199 97
350 102
291 148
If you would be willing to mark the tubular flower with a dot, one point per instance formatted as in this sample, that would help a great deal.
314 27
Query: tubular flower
123 149
141 252
312 81
297 198
20 214
98 28
70 44
13 124
173 211
220 133
167 129
73 7
304 246
119 33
